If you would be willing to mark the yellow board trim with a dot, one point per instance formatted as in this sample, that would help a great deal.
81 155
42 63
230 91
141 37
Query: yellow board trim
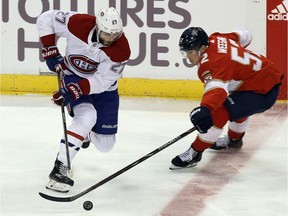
138 87
19 84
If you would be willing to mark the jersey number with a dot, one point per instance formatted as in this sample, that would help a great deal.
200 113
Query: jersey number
61 17
246 58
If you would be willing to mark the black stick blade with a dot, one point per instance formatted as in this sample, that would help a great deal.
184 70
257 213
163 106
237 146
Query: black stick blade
56 199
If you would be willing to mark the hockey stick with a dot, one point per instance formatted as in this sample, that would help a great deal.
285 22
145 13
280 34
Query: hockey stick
93 187
59 72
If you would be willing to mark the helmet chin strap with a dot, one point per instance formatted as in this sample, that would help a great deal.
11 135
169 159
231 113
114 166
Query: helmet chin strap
198 51
99 40
96 37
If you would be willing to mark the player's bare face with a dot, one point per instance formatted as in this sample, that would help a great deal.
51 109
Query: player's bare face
107 39
193 57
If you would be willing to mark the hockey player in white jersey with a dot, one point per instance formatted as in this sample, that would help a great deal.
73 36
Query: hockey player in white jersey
95 56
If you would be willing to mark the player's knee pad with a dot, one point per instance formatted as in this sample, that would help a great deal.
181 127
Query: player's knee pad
103 142
85 117
81 125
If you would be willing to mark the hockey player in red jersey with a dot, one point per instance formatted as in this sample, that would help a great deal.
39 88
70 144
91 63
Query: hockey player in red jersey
237 84
95 56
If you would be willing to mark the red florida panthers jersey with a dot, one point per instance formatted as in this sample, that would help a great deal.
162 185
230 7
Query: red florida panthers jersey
227 66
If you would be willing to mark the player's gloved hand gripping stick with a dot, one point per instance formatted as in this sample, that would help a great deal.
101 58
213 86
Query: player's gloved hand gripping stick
66 94
201 119
53 58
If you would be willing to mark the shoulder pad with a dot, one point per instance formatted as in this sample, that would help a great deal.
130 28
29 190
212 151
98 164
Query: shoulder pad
119 51
80 25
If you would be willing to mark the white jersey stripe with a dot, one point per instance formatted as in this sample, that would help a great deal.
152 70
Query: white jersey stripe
216 84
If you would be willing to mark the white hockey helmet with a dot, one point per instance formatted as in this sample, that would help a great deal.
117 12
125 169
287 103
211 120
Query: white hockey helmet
108 20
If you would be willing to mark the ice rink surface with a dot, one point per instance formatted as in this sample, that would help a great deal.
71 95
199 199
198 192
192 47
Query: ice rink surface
248 182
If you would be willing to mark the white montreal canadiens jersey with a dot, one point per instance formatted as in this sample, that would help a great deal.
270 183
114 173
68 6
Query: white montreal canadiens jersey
101 65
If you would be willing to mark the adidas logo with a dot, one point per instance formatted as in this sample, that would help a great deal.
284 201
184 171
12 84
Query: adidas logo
280 12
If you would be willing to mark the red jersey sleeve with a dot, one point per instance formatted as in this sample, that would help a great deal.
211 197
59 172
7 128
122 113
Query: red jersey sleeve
227 66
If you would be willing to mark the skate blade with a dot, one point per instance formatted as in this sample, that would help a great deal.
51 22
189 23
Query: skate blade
173 167
57 186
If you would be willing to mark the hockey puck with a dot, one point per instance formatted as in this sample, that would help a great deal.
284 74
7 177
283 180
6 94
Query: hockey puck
87 205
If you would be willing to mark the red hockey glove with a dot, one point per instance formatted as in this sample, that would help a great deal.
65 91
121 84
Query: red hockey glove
201 119
70 92
53 58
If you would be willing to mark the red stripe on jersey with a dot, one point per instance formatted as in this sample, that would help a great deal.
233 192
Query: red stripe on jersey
48 40
81 25
77 136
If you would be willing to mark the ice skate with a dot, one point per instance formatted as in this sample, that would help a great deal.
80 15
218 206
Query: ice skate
59 179
226 143
189 158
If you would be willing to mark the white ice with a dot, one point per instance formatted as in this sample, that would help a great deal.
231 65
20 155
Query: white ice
249 182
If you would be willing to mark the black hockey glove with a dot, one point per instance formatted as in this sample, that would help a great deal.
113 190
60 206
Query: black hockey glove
201 119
